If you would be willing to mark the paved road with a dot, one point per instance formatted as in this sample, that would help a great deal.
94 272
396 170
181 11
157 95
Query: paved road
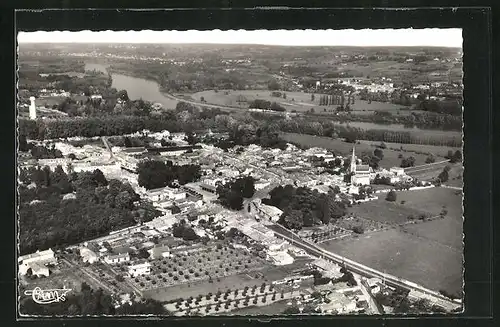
89 275
195 103
374 306
107 145
453 187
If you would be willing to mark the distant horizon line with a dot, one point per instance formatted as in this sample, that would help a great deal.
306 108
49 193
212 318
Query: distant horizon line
248 44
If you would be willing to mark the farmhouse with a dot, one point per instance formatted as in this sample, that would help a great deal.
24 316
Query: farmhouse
88 255
143 268
36 262
39 256
159 252
118 258
264 211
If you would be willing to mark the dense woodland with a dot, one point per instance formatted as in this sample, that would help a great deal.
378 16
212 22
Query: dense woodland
232 193
156 174
303 207
58 209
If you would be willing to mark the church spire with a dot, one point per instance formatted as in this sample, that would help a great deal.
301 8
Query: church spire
353 160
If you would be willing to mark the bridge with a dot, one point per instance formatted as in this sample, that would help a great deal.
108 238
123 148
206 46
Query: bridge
358 268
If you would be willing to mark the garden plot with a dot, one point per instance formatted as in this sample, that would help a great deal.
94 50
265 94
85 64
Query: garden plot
211 263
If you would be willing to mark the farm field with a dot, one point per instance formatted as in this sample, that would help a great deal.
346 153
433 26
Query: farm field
432 201
207 263
414 132
299 101
436 150
447 231
384 211
430 264
391 157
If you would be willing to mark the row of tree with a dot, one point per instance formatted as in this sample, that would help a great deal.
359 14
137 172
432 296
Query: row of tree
266 105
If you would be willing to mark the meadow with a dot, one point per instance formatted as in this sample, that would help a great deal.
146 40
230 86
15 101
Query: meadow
428 252
430 264
298 101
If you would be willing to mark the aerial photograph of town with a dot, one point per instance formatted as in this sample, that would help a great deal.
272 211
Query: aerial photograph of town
240 173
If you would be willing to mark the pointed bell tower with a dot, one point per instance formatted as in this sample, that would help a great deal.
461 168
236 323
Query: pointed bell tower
353 161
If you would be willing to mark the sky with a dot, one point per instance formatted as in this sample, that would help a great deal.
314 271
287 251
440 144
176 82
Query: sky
366 37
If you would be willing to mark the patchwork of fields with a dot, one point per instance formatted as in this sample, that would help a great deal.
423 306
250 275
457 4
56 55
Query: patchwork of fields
429 253
298 101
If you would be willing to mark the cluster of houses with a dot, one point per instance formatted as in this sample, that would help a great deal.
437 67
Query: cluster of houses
37 263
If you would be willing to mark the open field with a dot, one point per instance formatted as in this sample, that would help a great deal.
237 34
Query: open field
429 252
384 211
431 264
436 150
447 231
414 132
432 201
299 101
428 173
391 157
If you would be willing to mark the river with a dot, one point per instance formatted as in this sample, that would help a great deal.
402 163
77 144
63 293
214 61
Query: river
137 88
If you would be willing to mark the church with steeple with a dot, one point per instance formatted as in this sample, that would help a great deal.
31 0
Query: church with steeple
360 174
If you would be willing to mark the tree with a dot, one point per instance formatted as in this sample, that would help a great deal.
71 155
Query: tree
273 85
379 153
457 157
430 159
191 138
124 200
391 196
123 95
143 253
407 162
23 143
443 176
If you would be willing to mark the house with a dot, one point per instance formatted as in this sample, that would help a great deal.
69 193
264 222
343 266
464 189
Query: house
118 258
46 256
340 303
264 211
210 185
374 284
143 268
88 255
397 171
39 269
280 258
37 262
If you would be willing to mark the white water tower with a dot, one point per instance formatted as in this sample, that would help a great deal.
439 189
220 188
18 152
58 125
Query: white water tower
32 108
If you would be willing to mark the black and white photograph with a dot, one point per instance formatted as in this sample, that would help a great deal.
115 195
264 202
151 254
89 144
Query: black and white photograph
240 172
